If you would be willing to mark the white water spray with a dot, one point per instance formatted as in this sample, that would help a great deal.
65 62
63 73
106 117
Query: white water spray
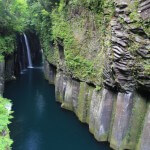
28 52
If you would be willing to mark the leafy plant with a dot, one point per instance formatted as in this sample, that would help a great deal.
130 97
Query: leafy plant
5 116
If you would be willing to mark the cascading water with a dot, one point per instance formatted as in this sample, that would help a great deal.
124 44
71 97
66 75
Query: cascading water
28 51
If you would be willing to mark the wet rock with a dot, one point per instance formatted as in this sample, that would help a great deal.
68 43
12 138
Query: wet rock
121 119
60 86
71 94
103 121
94 109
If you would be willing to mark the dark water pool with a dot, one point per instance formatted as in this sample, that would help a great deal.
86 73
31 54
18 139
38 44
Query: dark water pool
39 123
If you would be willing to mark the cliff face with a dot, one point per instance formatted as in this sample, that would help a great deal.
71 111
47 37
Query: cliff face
99 63
120 118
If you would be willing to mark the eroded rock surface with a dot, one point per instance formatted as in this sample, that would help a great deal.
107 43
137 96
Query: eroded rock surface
116 110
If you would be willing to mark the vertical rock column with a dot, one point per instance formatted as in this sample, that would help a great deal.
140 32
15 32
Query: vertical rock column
121 120
103 122
94 108
60 86
46 69
136 122
145 139
50 72
71 94
84 101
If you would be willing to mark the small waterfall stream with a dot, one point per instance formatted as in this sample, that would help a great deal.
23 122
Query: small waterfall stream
28 51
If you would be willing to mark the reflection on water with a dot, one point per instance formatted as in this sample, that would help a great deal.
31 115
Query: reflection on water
40 103
39 122
32 141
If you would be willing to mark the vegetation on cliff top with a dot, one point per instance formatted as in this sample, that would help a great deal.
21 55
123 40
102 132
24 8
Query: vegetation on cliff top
13 18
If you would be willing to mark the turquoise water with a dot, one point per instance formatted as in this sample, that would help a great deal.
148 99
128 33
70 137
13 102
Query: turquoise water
39 122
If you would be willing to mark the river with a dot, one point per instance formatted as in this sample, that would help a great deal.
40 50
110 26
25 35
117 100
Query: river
39 122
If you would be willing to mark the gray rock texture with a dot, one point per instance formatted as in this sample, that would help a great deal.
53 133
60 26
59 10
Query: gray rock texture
145 143
50 72
105 76
120 118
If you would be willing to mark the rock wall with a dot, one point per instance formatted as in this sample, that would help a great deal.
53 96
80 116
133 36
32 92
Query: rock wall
120 118
99 61
10 67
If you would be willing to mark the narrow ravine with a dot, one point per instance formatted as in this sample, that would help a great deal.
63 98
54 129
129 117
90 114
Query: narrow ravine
39 122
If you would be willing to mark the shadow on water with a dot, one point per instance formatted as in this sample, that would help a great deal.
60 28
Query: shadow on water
39 122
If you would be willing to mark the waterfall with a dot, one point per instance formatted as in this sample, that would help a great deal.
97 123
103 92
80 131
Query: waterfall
28 51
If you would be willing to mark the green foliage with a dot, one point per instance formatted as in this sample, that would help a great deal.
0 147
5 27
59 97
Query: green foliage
78 64
40 21
80 67
94 5
13 16
146 64
19 10
61 29
7 44
5 116
98 88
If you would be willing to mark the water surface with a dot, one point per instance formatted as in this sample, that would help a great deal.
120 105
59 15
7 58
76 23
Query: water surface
39 122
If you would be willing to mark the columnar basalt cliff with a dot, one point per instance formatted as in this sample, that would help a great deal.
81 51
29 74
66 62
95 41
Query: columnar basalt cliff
99 62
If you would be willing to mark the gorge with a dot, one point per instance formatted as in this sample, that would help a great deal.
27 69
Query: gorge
39 123
96 59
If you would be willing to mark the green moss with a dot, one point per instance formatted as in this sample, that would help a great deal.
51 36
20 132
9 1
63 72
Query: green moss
146 67
98 88
102 138
136 19
67 106
80 67
61 29
52 56
59 97
88 103
76 61
82 102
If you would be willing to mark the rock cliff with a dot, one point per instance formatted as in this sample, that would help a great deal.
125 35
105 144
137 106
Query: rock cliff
99 63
